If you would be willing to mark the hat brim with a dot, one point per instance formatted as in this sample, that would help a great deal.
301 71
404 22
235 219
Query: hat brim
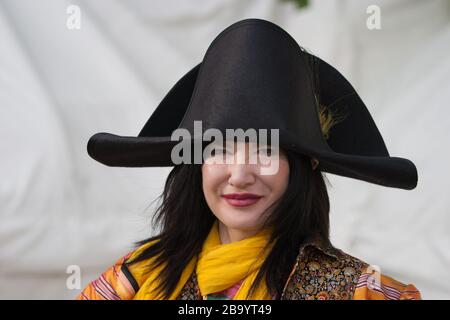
125 151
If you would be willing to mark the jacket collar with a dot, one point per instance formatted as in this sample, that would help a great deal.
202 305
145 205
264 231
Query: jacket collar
321 245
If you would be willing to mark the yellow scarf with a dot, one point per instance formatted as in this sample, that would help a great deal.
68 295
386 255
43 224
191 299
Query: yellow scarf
218 267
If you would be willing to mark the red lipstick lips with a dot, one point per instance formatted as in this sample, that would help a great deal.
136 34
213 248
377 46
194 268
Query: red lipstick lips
241 199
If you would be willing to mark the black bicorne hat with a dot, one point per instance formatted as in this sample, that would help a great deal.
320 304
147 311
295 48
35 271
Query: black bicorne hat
255 75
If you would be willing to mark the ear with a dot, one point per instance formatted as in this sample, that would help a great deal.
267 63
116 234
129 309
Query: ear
314 163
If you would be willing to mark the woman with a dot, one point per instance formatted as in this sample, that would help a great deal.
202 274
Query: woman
228 229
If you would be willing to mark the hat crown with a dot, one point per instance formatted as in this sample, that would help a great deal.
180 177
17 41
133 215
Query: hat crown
255 76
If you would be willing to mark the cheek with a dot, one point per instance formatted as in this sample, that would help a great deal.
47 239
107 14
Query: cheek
212 177
279 181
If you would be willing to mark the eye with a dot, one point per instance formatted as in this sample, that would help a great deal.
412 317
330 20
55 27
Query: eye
268 150
218 151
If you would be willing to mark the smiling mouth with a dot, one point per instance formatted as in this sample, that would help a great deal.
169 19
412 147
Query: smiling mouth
241 200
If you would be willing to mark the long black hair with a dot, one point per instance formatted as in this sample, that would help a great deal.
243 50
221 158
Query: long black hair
185 220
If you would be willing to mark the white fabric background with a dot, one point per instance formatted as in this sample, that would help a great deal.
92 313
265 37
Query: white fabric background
58 207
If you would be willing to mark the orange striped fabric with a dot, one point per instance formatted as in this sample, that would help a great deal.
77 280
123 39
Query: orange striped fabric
373 285
113 284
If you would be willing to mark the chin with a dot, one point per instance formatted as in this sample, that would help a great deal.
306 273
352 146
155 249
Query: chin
240 223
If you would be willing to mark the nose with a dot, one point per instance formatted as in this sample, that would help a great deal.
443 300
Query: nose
241 175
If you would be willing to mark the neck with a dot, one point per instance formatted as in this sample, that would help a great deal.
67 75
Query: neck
229 235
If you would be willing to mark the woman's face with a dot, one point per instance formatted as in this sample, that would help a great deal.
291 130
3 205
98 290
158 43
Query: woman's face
224 183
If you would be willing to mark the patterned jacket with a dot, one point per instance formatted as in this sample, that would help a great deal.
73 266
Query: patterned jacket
320 272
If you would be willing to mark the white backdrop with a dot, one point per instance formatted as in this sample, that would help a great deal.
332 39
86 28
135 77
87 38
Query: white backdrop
58 207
